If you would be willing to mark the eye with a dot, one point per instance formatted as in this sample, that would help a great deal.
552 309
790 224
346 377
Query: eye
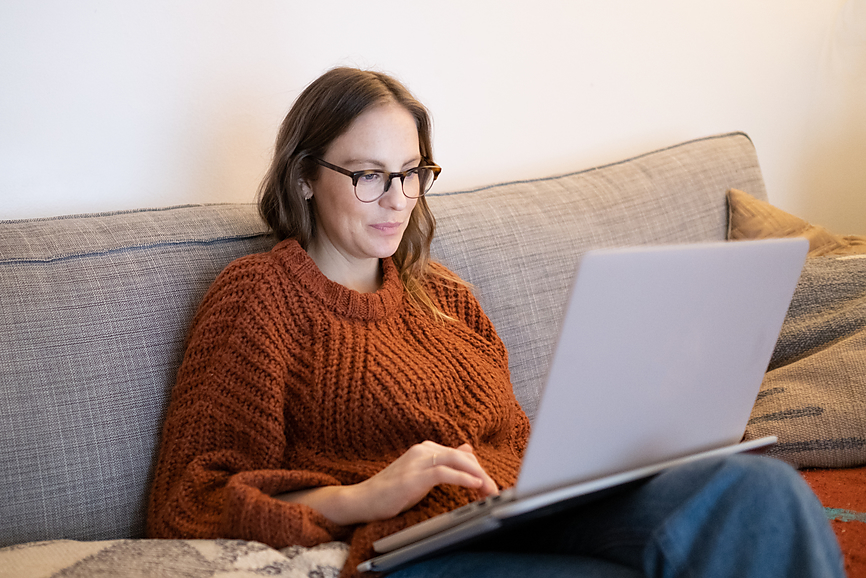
371 177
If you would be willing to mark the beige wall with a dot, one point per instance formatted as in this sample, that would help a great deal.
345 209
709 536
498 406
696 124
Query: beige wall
109 105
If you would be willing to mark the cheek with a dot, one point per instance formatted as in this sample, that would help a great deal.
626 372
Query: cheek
336 217
413 210
336 206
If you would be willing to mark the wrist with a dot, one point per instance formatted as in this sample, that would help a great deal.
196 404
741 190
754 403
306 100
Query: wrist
339 504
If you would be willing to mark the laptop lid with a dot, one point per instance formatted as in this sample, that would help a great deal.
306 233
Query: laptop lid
661 353
660 358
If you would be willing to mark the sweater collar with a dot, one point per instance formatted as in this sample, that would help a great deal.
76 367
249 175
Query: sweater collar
338 298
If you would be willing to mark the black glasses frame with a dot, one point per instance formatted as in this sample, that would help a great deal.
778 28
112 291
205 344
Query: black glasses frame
356 175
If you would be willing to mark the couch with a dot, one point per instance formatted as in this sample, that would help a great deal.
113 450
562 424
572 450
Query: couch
94 310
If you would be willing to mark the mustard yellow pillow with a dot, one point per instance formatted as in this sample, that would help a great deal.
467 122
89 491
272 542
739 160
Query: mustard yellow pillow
750 218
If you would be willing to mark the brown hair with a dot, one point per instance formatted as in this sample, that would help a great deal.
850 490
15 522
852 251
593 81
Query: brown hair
323 112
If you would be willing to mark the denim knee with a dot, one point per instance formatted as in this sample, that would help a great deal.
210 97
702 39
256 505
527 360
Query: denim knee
747 515
766 480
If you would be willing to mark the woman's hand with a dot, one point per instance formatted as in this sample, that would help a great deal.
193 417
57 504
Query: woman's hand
399 486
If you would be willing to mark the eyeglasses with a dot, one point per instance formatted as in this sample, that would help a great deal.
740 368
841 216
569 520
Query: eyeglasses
371 184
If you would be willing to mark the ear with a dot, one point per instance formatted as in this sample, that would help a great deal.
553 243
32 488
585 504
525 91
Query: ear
306 189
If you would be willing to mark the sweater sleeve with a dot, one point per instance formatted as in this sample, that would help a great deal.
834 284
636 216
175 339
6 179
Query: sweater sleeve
224 439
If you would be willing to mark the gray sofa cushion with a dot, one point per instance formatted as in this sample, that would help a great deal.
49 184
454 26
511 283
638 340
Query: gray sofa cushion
93 314
94 310
519 243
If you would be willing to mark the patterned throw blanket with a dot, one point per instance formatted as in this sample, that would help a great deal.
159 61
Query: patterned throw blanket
814 394
186 558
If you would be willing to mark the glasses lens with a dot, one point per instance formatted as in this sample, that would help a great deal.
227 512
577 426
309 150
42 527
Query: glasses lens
370 186
418 181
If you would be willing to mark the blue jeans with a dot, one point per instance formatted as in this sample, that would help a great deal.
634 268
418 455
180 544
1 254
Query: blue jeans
738 516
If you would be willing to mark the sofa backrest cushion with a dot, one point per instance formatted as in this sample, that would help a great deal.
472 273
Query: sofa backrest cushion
519 243
94 311
93 315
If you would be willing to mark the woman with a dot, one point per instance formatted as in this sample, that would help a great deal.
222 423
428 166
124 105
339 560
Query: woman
342 386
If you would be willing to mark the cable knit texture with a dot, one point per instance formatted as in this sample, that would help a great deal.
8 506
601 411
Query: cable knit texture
292 381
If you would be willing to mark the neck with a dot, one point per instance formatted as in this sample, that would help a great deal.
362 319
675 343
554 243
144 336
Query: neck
363 276
369 283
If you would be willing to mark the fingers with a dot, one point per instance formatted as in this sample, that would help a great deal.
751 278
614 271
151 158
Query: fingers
459 466
447 475
406 480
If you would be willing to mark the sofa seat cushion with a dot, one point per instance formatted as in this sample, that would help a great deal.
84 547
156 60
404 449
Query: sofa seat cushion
188 558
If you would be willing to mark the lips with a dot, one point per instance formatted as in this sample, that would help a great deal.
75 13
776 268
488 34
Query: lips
388 228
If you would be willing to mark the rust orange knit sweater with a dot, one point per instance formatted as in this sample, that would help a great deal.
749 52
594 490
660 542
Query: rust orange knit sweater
291 381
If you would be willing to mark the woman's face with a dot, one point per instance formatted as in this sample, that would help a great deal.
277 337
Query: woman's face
352 236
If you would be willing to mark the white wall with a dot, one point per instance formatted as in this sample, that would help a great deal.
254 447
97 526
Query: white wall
112 104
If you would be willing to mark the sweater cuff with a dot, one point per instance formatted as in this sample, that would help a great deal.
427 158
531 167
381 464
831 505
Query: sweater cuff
253 513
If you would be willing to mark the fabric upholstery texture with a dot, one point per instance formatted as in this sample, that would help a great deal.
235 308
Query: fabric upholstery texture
814 395
93 315
519 243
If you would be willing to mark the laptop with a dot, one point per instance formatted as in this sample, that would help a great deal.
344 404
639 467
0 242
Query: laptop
660 357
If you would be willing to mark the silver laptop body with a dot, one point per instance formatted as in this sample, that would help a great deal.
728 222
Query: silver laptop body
661 353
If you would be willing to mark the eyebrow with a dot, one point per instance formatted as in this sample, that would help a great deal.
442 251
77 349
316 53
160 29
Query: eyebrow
380 164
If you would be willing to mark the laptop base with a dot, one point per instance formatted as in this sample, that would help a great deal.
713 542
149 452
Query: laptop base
516 510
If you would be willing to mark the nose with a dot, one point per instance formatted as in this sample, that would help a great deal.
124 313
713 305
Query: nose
394 197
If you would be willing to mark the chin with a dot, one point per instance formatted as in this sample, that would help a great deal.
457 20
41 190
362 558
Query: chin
382 246
383 252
